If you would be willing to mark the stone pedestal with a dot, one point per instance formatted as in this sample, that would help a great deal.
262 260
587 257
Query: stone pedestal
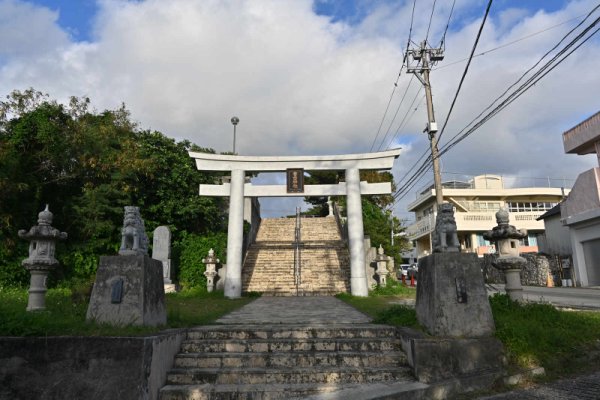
451 296
128 290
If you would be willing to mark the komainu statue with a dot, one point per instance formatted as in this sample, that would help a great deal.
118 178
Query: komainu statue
445 239
134 239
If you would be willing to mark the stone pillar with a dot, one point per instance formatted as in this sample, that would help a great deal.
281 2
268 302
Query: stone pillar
358 280
161 250
235 235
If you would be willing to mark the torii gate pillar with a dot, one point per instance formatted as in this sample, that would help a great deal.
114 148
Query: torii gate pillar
235 235
356 237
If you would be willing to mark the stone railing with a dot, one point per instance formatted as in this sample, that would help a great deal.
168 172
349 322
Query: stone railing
255 219
341 222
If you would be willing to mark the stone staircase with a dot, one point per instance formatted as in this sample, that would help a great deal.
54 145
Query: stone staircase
325 262
267 362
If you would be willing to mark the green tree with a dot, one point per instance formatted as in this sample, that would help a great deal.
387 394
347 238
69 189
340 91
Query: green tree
377 220
87 166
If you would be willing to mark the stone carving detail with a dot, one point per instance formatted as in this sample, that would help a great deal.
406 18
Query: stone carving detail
506 237
445 239
211 269
134 240
42 238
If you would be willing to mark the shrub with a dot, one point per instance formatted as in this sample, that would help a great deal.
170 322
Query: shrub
190 250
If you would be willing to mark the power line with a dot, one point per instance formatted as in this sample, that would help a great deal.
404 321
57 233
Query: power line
404 119
443 41
386 109
430 19
512 97
395 114
462 79
526 86
403 190
483 53
412 17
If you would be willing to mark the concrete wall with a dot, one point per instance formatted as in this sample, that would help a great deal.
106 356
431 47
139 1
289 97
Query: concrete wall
556 239
91 368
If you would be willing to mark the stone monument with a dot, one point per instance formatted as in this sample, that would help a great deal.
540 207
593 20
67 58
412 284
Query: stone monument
451 295
129 287
382 270
211 269
42 238
506 238
161 251
453 307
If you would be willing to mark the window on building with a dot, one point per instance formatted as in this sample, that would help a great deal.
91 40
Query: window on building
519 206
481 241
529 240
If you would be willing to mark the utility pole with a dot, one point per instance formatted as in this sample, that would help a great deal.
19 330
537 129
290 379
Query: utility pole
426 55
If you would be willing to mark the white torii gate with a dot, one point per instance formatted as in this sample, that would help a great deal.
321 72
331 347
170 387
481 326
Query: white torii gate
352 188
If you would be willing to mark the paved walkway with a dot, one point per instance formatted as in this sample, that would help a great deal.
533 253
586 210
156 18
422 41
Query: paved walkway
585 387
296 310
584 298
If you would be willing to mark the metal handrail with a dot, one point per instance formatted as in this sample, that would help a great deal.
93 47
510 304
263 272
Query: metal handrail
297 254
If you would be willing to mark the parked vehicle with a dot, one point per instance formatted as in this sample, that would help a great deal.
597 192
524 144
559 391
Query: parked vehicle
402 271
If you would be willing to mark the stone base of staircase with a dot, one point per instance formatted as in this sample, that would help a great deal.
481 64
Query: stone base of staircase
277 362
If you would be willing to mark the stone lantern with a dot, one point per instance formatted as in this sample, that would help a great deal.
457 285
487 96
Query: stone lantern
382 270
42 238
211 269
506 237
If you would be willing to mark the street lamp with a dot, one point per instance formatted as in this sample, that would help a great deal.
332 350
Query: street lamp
234 121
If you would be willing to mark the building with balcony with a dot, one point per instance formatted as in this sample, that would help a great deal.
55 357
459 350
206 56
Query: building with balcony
581 210
476 202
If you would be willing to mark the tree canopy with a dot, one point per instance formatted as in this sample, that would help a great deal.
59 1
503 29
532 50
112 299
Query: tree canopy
87 166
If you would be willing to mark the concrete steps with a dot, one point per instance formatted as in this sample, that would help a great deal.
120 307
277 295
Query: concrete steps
284 362
325 262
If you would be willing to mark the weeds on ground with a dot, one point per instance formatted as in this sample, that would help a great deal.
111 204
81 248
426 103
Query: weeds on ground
540 335
66 311
381 304
394 288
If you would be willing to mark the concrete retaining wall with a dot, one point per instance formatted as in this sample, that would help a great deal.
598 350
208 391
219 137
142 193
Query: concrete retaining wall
91 368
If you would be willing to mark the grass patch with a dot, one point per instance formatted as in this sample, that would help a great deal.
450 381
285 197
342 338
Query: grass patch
66 309
563 342
195 307
382 304
540 335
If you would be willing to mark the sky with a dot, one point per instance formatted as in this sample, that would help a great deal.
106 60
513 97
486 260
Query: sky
315 77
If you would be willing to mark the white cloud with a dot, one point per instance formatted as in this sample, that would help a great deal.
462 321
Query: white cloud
301 84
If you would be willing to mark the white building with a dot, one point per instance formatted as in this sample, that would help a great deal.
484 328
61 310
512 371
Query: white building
581 210
476 202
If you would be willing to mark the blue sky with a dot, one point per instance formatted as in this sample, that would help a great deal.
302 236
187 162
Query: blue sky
76 16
